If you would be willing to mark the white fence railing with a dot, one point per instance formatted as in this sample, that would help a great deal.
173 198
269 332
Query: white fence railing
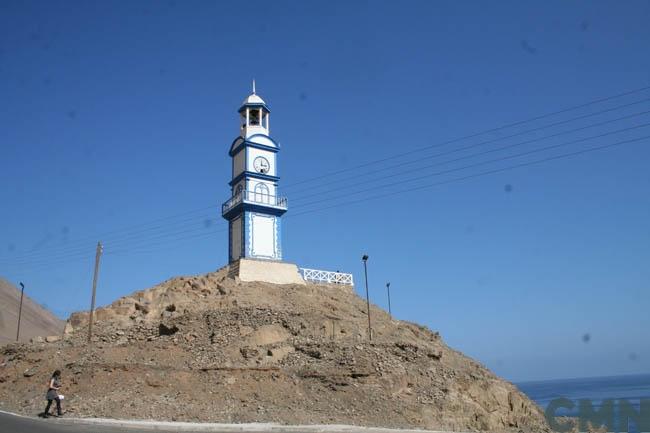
256 198
326 276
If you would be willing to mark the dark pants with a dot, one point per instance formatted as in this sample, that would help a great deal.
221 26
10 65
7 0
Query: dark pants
58 406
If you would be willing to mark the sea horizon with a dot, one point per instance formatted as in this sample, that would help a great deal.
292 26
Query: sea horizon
632 387
605 398
610 376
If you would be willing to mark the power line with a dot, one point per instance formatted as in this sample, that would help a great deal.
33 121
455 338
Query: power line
81 244
184 238
375 197
420 187
166 233
138 241
509 125
471 176
494 140
79 247
114 245
412 179
400 173
195 231
53 262
132 234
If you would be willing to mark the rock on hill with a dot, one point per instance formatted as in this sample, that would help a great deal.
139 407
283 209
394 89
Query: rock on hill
209 348
35 320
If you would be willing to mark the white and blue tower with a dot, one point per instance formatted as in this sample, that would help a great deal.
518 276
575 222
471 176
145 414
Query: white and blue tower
255 207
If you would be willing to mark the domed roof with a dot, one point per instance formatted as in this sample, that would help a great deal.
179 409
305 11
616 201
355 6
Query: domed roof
253 99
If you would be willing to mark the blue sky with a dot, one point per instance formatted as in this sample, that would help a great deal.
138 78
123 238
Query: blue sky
120 114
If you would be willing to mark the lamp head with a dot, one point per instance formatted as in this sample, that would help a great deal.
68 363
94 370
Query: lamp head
365 257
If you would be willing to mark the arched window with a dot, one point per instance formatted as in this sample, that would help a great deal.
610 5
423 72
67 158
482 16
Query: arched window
242 121
262 194
254 117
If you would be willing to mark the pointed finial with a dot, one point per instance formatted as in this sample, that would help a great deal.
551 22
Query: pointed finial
253 86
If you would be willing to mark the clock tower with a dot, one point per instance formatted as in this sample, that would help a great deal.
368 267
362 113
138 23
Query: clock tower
255 206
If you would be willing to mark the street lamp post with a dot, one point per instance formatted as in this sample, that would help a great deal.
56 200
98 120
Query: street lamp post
20 309
388 289
98 254
365 270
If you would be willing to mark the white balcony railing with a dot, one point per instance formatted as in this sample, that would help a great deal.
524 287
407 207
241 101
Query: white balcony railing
254 198
318 276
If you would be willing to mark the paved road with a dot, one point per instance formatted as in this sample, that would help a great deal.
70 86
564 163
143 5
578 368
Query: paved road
10 423
16 424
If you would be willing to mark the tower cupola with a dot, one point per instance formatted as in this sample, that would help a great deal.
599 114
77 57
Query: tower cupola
254 116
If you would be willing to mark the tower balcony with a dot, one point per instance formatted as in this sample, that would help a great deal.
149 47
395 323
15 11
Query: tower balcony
255 200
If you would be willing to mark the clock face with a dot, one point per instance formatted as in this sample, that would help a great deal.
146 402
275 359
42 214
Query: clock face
261 165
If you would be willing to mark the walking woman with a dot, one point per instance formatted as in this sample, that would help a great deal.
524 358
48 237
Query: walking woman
53 393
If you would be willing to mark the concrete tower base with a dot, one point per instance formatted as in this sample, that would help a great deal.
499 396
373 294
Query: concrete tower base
266 271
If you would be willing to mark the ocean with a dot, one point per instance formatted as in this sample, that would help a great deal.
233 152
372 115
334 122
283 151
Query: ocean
606 397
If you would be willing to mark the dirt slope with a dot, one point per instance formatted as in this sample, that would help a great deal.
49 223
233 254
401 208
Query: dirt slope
35 320
209 348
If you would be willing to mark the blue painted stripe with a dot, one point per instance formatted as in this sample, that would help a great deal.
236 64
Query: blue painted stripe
254 105
238 142
233 150
254 175
252 207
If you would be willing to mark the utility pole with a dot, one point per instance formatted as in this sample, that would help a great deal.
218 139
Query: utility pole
20 309
388 289
365 270
98 254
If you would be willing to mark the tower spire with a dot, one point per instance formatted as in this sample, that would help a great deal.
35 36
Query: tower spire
253 86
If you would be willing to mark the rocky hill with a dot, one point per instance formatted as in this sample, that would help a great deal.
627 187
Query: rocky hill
210 348
35 320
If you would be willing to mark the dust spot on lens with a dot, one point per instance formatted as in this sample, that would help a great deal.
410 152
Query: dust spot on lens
586 338
528 48
11 248
584 25
632 356
507 187
72 114
303 96
207 223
